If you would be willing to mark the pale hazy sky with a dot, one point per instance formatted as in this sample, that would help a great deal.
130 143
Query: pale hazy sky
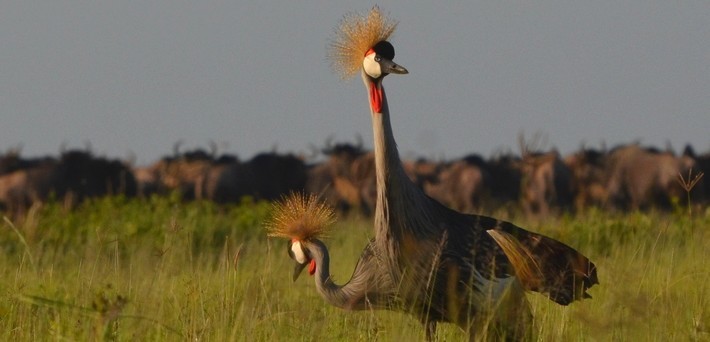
137 76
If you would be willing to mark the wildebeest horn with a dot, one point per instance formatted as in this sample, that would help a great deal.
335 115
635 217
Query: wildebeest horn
358 142
14 151
176 148
669 147
689 151
521 144
131 158
314 152
328 149
213 149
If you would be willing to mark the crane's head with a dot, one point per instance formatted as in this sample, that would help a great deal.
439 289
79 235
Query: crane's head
360 42
300 218
302 257
378 61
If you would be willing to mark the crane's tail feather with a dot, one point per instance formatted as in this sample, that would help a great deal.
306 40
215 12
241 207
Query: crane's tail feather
546 265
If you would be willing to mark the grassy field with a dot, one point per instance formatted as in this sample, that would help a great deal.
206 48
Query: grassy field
159 269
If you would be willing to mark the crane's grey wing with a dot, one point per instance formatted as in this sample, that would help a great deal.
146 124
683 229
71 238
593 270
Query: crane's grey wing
545 265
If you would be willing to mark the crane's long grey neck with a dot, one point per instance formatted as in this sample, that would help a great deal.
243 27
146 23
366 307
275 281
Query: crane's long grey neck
350 296
399 209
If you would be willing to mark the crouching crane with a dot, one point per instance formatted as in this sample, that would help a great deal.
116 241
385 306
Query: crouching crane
303 220
449 267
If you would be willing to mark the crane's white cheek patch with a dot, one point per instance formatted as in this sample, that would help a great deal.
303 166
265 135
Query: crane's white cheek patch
371 67
298 254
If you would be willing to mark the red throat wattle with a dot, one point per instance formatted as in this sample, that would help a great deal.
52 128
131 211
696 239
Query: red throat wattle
375 98
312 267
375 91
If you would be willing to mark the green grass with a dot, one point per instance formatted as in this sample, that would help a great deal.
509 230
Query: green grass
159 269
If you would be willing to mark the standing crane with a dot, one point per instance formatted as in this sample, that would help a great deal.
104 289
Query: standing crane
469 270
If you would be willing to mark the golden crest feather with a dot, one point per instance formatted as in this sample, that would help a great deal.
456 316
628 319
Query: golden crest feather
300 216
357 33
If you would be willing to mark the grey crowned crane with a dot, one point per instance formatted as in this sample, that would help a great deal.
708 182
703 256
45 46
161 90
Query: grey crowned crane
425 259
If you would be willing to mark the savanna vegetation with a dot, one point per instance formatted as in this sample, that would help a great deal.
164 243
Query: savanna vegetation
160 269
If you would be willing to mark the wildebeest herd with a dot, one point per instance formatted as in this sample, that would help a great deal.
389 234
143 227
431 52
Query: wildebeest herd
626 177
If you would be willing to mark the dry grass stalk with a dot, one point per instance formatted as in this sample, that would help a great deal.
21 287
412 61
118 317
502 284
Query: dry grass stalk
688 184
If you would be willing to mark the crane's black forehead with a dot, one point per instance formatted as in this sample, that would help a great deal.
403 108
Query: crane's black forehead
384 49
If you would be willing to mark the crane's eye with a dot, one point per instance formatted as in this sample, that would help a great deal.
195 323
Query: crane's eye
377 58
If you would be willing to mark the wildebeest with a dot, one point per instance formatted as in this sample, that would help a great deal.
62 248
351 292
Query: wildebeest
462 185
147 180
546 183
277 174
639 178
12 161
422 171
504 170
75 176
333 179
180 172
362 175
21 188
87 176
588 167
225 179
267 176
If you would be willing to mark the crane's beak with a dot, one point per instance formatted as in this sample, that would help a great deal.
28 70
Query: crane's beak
298 269
389 67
